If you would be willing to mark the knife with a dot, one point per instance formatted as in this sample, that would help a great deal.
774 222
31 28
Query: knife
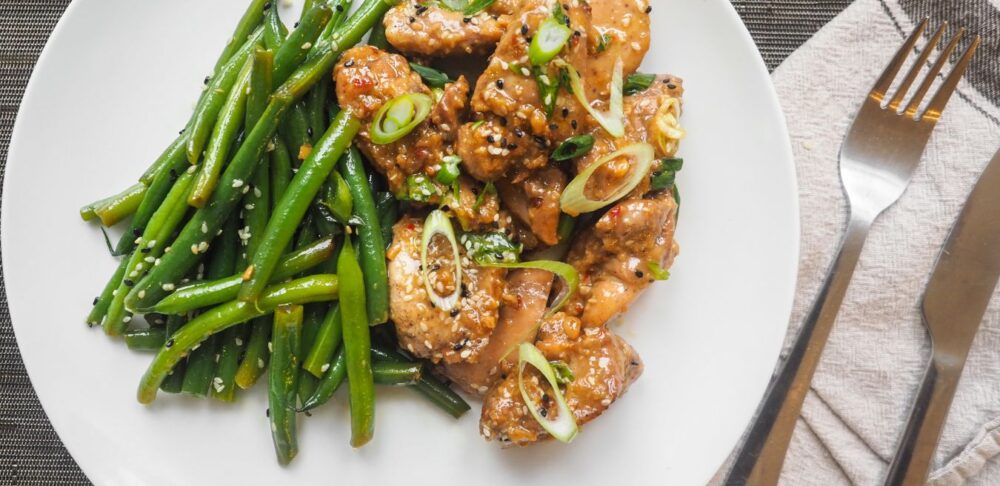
954 302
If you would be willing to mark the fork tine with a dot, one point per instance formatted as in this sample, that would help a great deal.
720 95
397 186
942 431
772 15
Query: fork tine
885 80
918 65
925 86
944 93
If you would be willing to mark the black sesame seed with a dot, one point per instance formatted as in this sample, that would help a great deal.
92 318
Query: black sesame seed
553 126
524 29
671 86
649 9
146 250
500 83
421 9
128 283
267 6
267 412
638 273
137 232
577 33
574 124
512 146
518 132
543 412
456 346
466 20
491 139
465 291
96 300
412 20
169 343
349 63
565 112
309 131
340 8
503 122
296 24
181 131
207 78
540 141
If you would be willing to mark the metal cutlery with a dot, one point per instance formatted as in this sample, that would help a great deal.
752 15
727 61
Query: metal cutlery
877 160
954 302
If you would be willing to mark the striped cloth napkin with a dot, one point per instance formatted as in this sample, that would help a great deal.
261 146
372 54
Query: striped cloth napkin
861 395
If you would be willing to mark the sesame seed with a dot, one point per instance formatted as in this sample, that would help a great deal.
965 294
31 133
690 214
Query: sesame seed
142 294
237 183
325 367
307 45
169 287
239 342
260 362
204 227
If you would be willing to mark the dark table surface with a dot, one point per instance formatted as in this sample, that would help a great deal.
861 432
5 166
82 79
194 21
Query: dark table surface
30 451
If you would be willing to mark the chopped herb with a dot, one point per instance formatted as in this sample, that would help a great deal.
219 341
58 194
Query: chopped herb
637 83
573 147
605 43
489 189
449 170
431 76
564 375
492 247
657 271
420 188
548 89
664 178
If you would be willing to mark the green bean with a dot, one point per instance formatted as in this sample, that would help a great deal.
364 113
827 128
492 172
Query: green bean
371 247
230 121
388 213
310 328
103 301
113 209
281 171
175 378
327 341
153 242
173 153
151 201
256 356
314 109
316 288
283 374
295 132
357 347
396 374
260 87
329 383
430 387
253 17
274 30
227 195
145 339
340 10
295 202
300 41
217 91
206 294
307 385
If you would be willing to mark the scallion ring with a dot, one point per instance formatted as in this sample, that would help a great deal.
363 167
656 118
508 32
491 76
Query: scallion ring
612 120
564 427
399 116
437 223
574 202
449 170
563 270
549 41
573 147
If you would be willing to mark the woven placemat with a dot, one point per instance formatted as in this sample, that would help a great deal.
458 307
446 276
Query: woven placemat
30 451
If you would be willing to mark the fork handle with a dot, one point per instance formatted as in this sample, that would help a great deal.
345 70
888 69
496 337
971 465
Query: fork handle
759 461
916 448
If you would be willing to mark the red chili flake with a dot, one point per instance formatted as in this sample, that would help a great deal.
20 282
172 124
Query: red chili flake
615 212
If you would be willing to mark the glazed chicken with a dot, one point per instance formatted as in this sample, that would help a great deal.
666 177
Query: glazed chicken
504 182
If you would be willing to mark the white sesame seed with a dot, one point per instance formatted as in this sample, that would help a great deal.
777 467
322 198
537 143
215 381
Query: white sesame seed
270 346
126 319
237 183
149 259
142 294
260 362
325 367
250 207
204 226
134 274
203 246
465 353
194 249
256 192
307 45
151 244
239 342
246 189
169 287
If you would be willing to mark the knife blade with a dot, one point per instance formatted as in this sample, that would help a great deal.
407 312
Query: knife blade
957 296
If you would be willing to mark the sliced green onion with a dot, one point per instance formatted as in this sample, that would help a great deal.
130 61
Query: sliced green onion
548 89
437 223
399 116
449 170
637 83
664 178
549 41
657 271
612 120
476 6
431 76
493 247
573 147
564 374
563 270
605 43
420 188
564 427
481 198
574 201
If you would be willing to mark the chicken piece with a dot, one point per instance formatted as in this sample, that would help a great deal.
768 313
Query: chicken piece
415 27
423 329
651 116
603 365
615 257
514 130
619 29
366 79
524 304
535 202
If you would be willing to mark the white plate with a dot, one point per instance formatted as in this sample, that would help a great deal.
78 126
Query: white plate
116 82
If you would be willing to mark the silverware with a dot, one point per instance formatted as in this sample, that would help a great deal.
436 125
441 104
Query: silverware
877 161
954 302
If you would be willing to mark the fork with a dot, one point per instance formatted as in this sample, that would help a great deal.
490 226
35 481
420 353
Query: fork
877 160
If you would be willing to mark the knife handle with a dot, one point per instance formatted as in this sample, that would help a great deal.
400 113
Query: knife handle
916 448
759 460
